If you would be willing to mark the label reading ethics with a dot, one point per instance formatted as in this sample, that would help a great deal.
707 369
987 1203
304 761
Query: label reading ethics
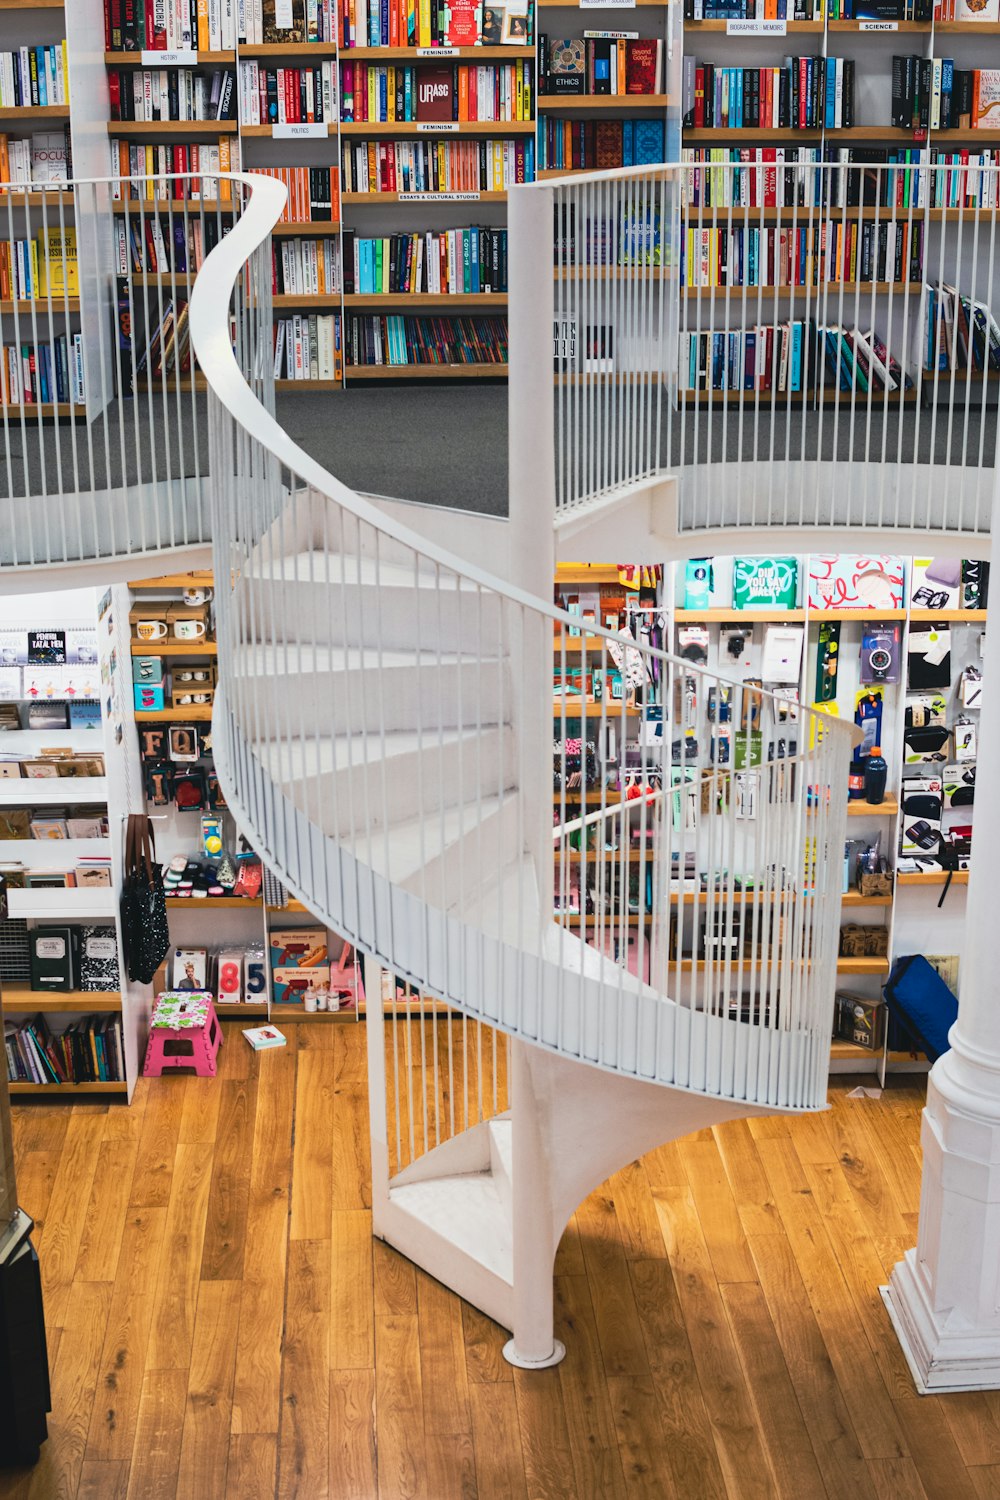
186 59
756 28
304 129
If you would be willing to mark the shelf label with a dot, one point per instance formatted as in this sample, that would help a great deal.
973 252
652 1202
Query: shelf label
756 28
439 197
607 4
436 127
304 129
611 36
878 25
186 59
437 51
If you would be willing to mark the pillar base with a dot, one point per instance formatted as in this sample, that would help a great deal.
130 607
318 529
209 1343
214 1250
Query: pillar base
941 1359
512 1357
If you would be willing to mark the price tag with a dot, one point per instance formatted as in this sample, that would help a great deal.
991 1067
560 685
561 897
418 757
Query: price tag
878 25
756 28
437 51
169 59
436 127
304 130
439 197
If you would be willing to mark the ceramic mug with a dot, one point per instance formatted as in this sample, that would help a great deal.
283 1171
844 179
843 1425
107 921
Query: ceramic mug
197 596
189 630
151 630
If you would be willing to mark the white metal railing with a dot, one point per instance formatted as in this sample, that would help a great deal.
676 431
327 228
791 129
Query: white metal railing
802 343
102 406
380 729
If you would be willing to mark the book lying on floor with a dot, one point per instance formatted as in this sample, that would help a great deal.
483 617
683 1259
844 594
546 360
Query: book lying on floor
262 1037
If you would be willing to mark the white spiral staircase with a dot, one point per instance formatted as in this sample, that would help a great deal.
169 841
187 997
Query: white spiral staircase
383 735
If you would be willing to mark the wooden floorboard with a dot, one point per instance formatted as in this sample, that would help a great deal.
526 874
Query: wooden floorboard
222 1326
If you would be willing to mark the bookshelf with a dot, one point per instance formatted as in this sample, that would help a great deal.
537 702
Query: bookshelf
909 914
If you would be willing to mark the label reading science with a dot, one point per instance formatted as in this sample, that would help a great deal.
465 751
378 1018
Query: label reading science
756 28
307 129
187 59
878 25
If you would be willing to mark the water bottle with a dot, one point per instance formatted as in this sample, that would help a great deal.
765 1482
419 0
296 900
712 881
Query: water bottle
876 772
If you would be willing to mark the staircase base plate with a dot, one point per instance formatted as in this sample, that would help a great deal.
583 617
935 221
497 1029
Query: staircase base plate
512 1357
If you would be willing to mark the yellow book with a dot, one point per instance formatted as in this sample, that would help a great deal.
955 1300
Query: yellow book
372 94
65 63
225 159
390 93
424 24
55 270
204 45
519 92
498 182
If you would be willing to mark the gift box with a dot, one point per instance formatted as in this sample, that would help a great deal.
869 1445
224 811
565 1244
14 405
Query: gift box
765 583
848 580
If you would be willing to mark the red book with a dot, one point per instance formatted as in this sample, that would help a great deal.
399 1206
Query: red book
464 26
640 67
435 93
699 98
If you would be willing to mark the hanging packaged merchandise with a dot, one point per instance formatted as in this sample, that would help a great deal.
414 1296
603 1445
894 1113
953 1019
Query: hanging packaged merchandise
959 784
880 653
781 660
924 710
929 744
868 717
699 582
827 661
159 775
189 790
975 583
936 583
846 580
966 735
971 687
765 582
928 659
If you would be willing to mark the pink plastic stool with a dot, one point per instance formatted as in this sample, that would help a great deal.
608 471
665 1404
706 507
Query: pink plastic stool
183 1033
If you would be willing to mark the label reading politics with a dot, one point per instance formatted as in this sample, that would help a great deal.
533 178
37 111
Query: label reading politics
186 59
878 25
304 129
756 28
436 127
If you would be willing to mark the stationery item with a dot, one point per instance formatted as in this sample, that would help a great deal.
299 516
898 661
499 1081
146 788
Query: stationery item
928 659
229 984
263 1037
99 958
53 954
190 967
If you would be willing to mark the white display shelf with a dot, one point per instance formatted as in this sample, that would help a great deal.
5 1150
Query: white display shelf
70 904
52 791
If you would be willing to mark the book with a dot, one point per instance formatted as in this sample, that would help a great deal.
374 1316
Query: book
566 63
435 94
977 10
463 23
986 99
640 67
263 1037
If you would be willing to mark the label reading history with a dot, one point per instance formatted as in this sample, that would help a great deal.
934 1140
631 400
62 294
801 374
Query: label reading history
186 59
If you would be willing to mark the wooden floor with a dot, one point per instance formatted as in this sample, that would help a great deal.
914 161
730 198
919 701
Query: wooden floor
222 1326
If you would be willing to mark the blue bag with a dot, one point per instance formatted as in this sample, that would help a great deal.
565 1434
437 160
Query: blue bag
920 1002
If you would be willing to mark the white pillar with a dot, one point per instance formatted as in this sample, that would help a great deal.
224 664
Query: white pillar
944 1296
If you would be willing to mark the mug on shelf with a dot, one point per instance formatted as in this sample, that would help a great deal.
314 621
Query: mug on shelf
189 630
151 630
197 596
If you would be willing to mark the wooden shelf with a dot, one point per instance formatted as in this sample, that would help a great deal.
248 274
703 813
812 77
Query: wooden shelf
416 372
173 127
296 907
412 128
715 135
950 616
381 200
876 616
37 114
586 573
933 877
307 387
608 103
49 791
304 50
161 383
607 709
422 299
299 1013
175 581
175 648
802 214
814 28
68 1088
862 966
944 378
314 229
984 137
204 59
195 713
855 898
288 300
897 26
42 411
739 616
880 133
575 644
244 1010
123 206
826 293
417 54
19 998
974 28
887 808
228 903
35 199
850 1052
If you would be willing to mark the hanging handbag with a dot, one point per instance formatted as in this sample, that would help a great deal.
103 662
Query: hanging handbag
145 932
